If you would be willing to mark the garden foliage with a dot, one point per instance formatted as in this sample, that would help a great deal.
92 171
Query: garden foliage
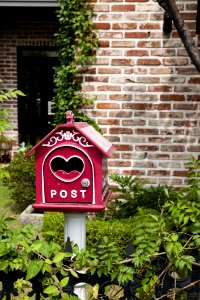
170 231
5 123
77 43
4 112
21 179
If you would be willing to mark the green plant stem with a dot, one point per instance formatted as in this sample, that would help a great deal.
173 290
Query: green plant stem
161 274
180 290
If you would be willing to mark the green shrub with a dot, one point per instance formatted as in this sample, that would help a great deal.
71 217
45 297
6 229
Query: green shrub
53 227
131 193
118 231
21 179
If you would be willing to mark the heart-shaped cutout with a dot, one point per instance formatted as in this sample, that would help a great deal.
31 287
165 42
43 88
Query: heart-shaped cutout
67 170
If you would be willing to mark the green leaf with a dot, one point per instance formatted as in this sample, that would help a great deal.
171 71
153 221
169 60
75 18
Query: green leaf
3 265
186 219
52 289
64 281
34 268
42 247
95 291
73 273
174 237
59 257
65 296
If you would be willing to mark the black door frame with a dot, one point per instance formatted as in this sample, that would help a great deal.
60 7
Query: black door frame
35 78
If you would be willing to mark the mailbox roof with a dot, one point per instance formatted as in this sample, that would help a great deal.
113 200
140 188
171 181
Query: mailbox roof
87 131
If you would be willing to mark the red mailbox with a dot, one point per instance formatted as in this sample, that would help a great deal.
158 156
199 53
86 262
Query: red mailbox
71 168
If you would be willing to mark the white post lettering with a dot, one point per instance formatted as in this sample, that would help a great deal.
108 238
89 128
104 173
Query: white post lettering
63 194
83 193
53 193
74 193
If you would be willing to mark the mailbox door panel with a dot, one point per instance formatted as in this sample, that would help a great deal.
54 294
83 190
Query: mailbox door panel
68 176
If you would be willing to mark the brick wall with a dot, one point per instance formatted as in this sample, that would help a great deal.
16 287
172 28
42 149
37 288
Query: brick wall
21 27
147 90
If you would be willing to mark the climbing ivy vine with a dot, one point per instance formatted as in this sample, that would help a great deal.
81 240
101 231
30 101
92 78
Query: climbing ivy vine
77 41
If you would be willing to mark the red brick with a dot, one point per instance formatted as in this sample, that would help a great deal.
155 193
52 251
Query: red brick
121 114
104 43
96 79
158 173
172 132
133 172
101 7
193 148
109 70
186 71
137 52
150 26
185 106
123 8
149 44
147 79
120 130
124 26
146 148
136 35
171 115
123 44
173 148
102 26
108 121
119 163
121 62
145 131
148 106
111 35
121 97
186 89
194 80
108 88
108 106
158 156
123 147
135 122
193 97
188 15
148 61
175 61
160 88
172 97
179 173
186 123
159 140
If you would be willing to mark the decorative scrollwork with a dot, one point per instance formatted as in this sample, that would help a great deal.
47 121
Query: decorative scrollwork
67 136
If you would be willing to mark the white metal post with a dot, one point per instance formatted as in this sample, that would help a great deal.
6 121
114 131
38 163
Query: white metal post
75 229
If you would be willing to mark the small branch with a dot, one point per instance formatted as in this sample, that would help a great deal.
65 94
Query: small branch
191 237
183 31
180 290
161 274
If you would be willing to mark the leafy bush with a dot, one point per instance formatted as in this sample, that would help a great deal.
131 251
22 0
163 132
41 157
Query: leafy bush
118 231
21 179
166 243
53 227
132 193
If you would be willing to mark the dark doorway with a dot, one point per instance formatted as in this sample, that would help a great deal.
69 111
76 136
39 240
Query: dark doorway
36 80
